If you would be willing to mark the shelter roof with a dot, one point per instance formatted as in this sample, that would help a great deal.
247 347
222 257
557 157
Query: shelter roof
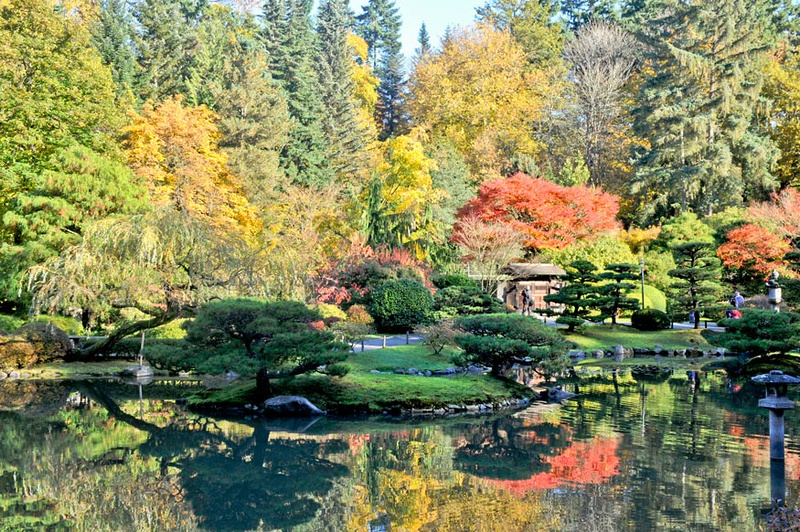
531 270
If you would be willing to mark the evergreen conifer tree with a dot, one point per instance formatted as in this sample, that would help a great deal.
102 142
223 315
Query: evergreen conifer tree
291 45
580 295
696 287
231 76
113 35
166 44
698 107
379 25
345 137
424 47
618 284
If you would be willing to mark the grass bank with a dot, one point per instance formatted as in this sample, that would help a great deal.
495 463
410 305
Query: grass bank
362 391
591 337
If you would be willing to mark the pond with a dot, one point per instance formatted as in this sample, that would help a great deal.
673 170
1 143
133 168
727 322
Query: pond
659 452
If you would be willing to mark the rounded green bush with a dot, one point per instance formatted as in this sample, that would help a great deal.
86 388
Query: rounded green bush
650 320
446 280
653 297
399 305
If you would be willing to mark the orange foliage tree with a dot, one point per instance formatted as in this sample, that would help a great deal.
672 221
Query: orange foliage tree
753 250
550 216
174 149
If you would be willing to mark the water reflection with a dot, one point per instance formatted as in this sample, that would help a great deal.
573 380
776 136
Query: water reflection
635 451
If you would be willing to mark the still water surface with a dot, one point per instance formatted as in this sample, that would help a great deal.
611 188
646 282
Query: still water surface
628 454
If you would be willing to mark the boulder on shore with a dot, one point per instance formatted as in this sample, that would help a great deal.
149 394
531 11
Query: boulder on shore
290 406
556 394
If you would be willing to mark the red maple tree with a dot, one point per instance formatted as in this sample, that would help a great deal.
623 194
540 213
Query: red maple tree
550 216
754 249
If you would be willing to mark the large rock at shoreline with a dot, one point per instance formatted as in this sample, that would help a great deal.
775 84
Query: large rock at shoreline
556 395
619 353
290 406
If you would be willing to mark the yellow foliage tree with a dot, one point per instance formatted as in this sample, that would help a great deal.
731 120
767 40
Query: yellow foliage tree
398 203
478 93
782 87
174 149
366 84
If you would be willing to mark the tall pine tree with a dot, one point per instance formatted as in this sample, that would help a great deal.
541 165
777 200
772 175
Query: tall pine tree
166 44
231 76
113 35
345 136
292 48
379 25
697 105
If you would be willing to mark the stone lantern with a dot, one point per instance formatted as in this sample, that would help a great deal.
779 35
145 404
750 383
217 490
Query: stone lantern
776 401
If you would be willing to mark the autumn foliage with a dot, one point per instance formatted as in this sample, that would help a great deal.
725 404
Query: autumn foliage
174 149
582 463
754 248
550 215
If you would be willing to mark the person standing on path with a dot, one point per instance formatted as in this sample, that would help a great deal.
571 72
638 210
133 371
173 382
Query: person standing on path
738 300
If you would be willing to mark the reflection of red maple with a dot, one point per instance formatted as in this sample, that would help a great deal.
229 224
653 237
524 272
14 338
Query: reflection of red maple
591 462
758 449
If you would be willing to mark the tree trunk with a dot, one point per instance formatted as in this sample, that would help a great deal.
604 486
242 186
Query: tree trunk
263 385
127 330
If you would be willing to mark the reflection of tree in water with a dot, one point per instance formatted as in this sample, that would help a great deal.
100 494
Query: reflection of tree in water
184 474
402 474
508 448
241 485
262 482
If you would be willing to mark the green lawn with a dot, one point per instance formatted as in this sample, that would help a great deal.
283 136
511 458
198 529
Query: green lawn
361 391
592 337
405 356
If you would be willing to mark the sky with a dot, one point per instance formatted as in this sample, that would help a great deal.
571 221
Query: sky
436 14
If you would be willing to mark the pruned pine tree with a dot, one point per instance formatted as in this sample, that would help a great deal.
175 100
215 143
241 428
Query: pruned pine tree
696 286
581 295
618 284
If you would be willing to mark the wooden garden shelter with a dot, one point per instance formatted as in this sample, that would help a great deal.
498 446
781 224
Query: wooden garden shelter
542 278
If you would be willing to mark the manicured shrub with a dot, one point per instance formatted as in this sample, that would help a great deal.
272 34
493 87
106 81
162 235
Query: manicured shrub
465 301
650 320
50 342
330 311
33 343
399 305
16 352
500 340
761 333
446 280
359 314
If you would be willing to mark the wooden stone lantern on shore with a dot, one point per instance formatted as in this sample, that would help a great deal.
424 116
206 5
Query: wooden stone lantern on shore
776 401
